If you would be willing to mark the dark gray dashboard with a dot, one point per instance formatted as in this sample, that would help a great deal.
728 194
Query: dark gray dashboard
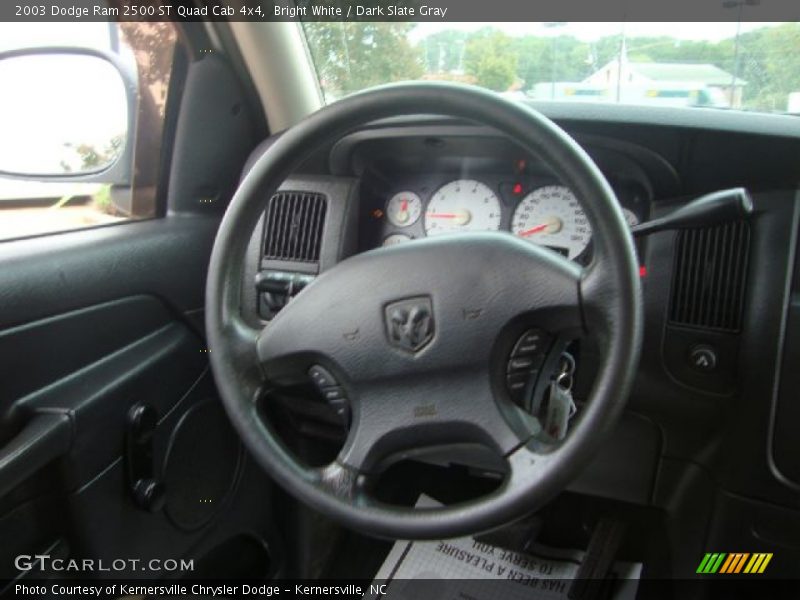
684 427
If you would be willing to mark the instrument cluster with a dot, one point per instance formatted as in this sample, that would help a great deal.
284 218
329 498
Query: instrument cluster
537 209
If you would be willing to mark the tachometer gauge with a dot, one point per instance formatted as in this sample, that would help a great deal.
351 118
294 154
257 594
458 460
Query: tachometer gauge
462 205
396 238
552 216
403 209
630 217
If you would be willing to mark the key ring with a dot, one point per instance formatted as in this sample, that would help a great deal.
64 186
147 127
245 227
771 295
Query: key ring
563 377
568 363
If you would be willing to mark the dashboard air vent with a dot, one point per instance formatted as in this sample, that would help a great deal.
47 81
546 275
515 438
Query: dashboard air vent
293 226
708 282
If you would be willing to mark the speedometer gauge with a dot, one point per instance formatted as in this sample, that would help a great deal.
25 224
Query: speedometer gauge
462 205
552 216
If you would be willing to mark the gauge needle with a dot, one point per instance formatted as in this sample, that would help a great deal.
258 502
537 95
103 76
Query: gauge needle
553 225
532 230
402 216
461 217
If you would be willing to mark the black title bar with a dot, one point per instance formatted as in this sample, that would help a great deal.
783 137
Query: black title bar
401 10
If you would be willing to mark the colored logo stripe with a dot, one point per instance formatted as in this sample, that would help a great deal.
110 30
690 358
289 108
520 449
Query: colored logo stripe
711 562
758 563
733 563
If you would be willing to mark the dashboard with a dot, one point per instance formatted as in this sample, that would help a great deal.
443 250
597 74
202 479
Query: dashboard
539 210
456 186
724 429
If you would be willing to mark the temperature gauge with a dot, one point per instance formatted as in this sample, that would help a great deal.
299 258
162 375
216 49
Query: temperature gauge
403 209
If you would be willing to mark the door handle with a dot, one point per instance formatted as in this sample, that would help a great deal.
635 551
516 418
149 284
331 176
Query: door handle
148 491
44 438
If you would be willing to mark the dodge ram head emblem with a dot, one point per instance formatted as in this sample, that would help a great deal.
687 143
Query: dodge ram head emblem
409 323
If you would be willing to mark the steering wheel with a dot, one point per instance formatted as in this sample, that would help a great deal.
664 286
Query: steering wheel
421 358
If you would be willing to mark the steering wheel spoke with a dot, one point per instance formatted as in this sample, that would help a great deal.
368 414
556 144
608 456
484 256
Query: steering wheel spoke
392 419
241 354
550 291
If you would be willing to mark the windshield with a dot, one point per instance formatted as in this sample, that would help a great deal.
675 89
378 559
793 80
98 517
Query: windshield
741 66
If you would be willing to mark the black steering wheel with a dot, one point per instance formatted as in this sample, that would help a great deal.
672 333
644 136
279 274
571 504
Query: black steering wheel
421 357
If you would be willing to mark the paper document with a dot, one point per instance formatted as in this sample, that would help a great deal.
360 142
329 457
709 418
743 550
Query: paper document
464 569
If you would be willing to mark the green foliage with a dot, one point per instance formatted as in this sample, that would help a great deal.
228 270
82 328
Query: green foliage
769 59
668 49
102 199
534 61
91 158
559 58
443 51
350 56
488 57
353 56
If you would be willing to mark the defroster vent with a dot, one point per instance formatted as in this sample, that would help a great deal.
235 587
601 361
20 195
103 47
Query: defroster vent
709 279
293 227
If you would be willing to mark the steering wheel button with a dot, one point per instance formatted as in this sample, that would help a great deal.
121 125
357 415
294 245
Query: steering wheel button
333 393
523 363
528 349
532 341
321 377
342 410
517 381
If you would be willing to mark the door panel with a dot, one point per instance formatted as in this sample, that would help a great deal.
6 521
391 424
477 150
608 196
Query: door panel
50 275
70 382
97 321
87 368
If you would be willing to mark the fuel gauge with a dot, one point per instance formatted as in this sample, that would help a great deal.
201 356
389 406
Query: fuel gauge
396 238
403 209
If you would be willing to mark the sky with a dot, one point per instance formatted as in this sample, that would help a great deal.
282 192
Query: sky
588 32
15 35
21 35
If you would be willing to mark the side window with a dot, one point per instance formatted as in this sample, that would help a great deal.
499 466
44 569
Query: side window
82 115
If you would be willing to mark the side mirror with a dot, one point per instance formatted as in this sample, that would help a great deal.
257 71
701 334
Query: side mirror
67 114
